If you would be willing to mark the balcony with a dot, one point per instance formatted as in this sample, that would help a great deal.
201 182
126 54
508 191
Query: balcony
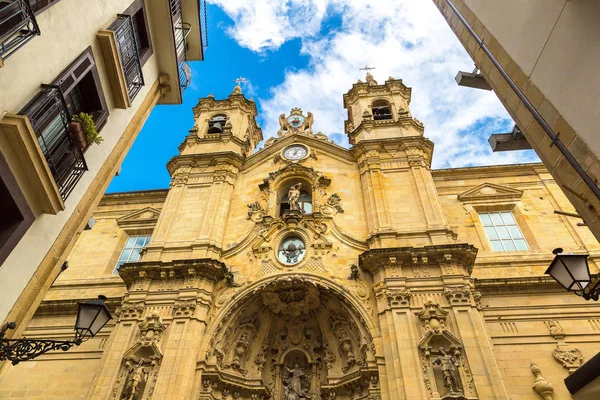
17 26
45 162
49 118
119 48
177 39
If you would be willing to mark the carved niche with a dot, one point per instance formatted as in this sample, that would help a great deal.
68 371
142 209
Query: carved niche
139 370
446 373
308 345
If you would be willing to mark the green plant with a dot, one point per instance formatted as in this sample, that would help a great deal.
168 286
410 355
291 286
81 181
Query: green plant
89 128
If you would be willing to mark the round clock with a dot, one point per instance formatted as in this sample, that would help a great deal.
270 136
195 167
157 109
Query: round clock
295 120
295 152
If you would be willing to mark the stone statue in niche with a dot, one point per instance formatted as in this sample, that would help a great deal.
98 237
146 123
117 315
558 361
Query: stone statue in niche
449 371
293 384
294 196
240 349
136 381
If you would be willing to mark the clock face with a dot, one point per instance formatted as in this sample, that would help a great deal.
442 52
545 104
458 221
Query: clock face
296 152
295 120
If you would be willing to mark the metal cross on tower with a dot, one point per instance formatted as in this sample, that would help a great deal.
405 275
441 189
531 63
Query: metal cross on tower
240 80
366 68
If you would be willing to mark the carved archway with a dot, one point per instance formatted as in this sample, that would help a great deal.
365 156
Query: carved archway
292 334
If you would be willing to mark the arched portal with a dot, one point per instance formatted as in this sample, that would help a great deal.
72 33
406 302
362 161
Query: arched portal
290 338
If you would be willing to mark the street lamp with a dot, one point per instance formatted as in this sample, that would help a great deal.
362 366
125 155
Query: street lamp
91 317
573 273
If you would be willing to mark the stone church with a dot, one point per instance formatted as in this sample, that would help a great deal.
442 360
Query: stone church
307 271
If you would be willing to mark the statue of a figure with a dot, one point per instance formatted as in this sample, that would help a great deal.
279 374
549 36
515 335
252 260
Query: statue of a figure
293 390
136 380
294 196
449 371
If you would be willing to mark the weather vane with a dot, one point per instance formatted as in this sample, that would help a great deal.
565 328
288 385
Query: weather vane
366 68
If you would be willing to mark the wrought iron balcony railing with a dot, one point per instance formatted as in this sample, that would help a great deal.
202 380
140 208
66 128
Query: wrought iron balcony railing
17 26
181 30
49 118
130 58
185 75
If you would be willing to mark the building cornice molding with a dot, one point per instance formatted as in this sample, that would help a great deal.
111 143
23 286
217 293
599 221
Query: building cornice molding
207 268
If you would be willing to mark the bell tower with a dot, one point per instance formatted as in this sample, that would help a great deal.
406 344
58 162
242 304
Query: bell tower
379 111
224 125
394 159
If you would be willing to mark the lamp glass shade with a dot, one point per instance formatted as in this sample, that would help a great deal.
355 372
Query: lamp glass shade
91 317
570 270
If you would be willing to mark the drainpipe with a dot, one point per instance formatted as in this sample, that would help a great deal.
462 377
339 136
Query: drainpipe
553 136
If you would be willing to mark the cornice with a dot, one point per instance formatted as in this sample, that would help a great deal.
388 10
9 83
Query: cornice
492 170
206 159
70 306
140 196
371 124
324 146
233 100
192 139
463 254
207 268
365 89
531 284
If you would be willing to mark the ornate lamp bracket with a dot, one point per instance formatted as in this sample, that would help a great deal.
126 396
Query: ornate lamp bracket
17 350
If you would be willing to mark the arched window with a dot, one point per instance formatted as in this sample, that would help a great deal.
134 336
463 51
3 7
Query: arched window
217 123
381 110
304 198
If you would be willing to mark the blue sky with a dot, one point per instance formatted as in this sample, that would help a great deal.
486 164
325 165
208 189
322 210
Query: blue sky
307 54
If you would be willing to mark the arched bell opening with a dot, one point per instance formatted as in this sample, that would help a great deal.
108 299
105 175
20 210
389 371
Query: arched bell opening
291 338
217 123
381 110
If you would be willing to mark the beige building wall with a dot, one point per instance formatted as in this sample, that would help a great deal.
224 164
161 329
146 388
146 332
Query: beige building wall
211 312
548 49
68 27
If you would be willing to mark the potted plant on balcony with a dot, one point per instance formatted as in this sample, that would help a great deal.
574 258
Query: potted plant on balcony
83 131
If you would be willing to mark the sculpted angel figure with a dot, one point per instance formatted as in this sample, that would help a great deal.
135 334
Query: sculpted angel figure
293 390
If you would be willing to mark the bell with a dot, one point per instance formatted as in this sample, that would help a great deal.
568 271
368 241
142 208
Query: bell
216 128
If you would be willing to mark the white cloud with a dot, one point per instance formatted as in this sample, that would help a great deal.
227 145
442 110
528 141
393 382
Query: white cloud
407 39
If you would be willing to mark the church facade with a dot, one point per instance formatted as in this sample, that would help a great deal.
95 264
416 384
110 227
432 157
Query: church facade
308 271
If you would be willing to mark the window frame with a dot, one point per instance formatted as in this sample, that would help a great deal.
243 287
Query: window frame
27 216
124 248
505 225
71 72
132 10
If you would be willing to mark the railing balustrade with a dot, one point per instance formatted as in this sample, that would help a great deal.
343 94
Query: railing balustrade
49 118
130 58
17 26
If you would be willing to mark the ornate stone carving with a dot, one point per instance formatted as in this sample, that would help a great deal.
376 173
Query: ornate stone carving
571 359
255 212
556 331
541 386
295 123
291 297
184 308
135 383
458 294
398 297
133 310
335 201
353 272
433 317
295 385
449 367
151 329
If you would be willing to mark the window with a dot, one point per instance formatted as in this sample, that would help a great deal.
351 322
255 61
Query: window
131 251
15 215
381 110
502 231
217 123
140 25
304 203
80 84
17 26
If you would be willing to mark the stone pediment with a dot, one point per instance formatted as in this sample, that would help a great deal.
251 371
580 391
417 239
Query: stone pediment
490 191
140 218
